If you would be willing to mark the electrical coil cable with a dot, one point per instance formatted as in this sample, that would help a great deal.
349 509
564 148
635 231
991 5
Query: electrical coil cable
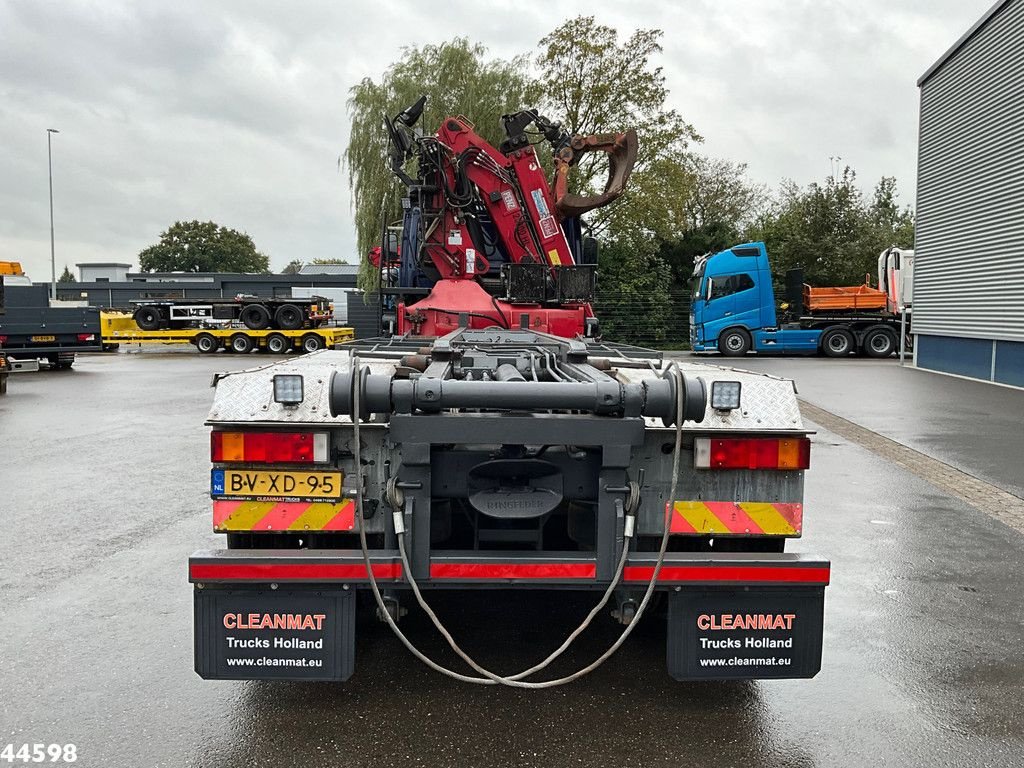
394 494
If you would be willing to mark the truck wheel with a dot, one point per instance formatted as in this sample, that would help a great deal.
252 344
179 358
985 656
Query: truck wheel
147 318
734 342
206 343
879 343
311 342
837 342
241 344
289 317
277 344
255 316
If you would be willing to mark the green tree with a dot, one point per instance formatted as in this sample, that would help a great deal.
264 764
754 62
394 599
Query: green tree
831 230
718 203
292 268
203 246
892 223
457 78
679 254
66 276
595 84
634 302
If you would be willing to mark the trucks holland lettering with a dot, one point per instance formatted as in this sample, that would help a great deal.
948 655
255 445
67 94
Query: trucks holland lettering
490 441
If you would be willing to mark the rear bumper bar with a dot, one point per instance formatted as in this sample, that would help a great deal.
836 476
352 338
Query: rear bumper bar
286 614
485 570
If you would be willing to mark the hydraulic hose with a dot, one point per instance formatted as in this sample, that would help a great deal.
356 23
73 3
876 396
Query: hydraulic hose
515 681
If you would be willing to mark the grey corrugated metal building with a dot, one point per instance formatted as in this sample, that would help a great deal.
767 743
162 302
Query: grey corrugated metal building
968 315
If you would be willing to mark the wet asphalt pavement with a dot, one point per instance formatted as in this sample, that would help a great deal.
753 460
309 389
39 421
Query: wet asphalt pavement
104 494
974 426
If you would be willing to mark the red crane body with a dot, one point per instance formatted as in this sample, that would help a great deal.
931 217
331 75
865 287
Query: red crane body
476 203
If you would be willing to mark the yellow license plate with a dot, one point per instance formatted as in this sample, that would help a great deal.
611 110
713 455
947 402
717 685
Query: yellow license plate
274 484
44 338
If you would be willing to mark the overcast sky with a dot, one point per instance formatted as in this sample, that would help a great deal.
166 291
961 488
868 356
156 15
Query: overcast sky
235 111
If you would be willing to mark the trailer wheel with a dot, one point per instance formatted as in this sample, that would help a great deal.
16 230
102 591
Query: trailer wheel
147 318
312 342
255 316
837 342
277 344
734 342
289 317
206 343
879 342
241 344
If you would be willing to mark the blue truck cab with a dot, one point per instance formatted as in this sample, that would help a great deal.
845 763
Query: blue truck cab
733 306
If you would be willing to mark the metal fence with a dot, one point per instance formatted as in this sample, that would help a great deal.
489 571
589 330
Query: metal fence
645 321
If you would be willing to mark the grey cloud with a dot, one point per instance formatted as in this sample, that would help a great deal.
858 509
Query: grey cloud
235 111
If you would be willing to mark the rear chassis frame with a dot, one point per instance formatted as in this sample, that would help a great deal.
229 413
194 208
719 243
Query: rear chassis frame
781 595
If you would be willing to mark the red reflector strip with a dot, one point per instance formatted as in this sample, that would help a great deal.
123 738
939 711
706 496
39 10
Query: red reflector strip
286 571
632 573
752 573
513 571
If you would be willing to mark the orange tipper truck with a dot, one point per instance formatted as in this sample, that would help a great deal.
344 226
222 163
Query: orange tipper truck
505 459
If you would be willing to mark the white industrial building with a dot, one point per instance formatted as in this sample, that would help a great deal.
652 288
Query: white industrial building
103 272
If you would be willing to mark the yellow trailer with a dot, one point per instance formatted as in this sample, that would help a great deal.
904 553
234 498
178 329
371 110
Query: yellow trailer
119 328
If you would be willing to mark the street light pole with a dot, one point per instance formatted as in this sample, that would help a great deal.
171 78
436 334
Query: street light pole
53 259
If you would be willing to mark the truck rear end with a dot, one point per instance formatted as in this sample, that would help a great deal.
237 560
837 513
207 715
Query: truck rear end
30 329
505 460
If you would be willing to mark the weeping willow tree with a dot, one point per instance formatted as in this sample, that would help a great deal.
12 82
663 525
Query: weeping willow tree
458 79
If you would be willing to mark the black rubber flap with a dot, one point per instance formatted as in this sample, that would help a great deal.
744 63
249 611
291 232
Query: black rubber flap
268 634
753 633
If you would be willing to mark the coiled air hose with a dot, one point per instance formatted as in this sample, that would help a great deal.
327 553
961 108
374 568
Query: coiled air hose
488 677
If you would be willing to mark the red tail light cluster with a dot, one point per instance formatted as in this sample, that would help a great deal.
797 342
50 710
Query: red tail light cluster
752 453
87 337
269 447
